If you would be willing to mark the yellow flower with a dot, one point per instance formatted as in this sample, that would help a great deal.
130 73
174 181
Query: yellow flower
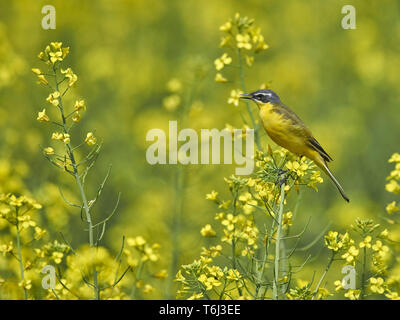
179 277
39 233
207 231
226 26
249 202
212 195
5 249
384 234
174 85
233 274
366 242
36 71
209 282
53 98
90 139
213 252
287 219
353 294
56 45
393 187
351 254
245 197
249 60
261 46
136 242
376 285
57 136
76 117
42 116
229 221
72 77
66 138
225 41
150 254
392 295
298 168
380 248
161 274
215 271
234 98
221 62
220 78
332 241
147 288
56 56
391 207
42 79
49 151
26 222
224 204
302 283
395 157
196 296
26 284
338 285
243 41
57 257
80 105
171 102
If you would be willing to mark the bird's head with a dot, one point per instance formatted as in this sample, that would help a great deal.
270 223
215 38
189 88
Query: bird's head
262 96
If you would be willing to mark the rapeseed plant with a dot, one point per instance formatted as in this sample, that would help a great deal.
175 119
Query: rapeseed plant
248 257
90 268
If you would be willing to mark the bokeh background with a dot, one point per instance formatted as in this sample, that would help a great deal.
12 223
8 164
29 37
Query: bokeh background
343 83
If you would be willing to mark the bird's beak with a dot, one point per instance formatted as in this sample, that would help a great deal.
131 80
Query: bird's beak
246 96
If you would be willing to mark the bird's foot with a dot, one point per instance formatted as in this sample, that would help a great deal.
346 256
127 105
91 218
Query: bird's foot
282 177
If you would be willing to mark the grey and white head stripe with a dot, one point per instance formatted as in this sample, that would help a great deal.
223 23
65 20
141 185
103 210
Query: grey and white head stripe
264 96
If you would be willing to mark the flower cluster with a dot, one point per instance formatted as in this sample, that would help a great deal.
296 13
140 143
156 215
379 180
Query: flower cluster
15 209
53 55
242 38
238 234
173 100
303 291
354 253
201 279
18 211
393 186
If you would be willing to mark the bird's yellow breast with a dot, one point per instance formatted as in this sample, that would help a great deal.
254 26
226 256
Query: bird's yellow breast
282 131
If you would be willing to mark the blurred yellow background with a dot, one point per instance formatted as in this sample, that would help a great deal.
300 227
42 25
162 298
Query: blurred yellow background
342 83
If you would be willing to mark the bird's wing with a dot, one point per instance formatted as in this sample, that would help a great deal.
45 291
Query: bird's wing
302 129
313 143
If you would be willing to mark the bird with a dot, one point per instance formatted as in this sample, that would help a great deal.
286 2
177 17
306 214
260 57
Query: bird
287 130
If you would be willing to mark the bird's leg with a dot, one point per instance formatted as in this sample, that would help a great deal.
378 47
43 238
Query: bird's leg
282 177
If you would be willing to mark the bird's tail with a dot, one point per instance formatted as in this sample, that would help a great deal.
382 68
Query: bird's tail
337 184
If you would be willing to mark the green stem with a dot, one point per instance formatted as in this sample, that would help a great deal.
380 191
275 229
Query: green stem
79 183
137 278
261 274
364 267
324 275
277 245
176 222
253 122
21 264
180 196
235 197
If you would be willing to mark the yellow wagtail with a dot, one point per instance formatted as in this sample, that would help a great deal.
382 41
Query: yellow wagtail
288 131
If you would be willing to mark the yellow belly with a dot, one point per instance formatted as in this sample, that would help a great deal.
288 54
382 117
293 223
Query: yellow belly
281 131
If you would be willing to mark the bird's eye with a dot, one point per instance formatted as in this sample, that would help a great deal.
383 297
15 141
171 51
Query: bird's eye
261 97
